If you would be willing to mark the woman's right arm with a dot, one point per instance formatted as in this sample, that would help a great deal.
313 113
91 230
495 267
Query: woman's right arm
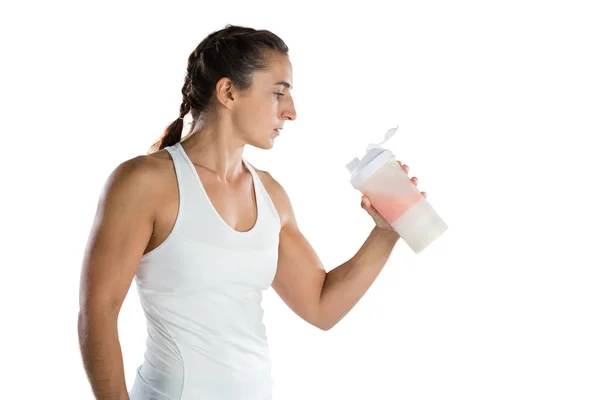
120 233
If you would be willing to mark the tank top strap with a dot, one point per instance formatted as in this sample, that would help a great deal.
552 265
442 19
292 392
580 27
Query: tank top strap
178 160
186 177
192 205
265 203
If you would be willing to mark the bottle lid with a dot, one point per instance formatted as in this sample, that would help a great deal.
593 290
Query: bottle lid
352 164
376 156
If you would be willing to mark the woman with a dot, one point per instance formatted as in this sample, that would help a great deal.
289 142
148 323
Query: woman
204 233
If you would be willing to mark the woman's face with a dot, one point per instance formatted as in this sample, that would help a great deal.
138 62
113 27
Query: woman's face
266 105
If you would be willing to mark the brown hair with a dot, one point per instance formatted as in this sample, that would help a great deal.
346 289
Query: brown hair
235 52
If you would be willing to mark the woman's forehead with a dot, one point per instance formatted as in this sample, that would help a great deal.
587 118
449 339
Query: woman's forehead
267 78
278 71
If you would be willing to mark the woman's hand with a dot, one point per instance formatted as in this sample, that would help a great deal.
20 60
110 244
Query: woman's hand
379 221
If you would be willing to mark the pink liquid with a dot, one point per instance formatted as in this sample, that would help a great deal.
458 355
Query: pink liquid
390 206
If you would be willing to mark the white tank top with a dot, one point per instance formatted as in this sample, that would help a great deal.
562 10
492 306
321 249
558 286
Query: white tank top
201 292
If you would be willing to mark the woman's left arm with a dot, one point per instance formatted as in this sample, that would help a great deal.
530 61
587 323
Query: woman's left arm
319 297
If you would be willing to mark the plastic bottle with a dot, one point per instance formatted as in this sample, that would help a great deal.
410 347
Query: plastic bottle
379 177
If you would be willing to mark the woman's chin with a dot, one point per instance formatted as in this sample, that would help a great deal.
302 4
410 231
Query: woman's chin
266 144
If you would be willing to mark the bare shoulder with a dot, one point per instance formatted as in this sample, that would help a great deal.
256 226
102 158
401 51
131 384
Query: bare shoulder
279 196
135 175
143 175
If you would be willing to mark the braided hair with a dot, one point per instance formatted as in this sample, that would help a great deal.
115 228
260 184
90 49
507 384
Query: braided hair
235 52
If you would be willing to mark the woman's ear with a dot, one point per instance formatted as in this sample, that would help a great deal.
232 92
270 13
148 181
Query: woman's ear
225 92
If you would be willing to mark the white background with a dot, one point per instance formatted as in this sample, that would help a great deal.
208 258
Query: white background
498 107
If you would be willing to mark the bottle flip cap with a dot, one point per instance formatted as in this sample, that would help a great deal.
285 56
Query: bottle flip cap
376 156
388 135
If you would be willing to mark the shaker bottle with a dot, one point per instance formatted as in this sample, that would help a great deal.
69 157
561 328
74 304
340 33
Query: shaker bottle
379 177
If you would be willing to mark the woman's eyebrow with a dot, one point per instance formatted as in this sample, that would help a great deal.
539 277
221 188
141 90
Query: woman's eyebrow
284 83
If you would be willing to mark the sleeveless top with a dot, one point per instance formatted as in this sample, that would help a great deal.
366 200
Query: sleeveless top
201 292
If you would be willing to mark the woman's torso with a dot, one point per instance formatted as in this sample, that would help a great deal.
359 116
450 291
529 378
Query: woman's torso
200 282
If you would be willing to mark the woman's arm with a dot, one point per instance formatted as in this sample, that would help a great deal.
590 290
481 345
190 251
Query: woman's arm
321 298
120 233
346 284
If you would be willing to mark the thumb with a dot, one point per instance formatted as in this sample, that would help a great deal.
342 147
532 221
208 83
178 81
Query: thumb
366 204
373 213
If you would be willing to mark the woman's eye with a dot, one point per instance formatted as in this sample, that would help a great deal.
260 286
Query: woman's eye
279 94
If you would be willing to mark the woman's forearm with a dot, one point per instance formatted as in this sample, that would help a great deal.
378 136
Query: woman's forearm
346 284
101 353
